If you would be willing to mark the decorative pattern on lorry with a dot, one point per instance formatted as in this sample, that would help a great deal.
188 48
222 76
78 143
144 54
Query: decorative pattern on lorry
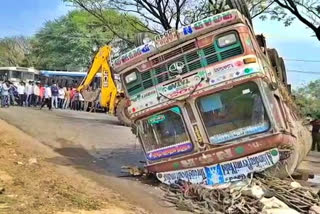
185 59
230 171
170 151
170 38
202 79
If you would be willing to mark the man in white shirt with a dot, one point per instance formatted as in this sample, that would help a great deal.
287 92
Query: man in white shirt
29 90
61 97
36 94
81 102
21 89
47 98
5 94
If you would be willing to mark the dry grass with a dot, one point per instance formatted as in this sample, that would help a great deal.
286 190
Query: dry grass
37 187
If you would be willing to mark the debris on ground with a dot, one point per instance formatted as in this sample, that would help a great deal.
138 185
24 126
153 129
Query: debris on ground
32 161
2 190
19 163
134 170
314 210
261 194
275 206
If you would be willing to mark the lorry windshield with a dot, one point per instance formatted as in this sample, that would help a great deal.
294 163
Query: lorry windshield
233 113
163 129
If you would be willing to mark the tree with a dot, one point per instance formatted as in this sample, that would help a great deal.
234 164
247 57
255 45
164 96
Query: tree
159 15
308 98
70 42
306 11
14 51
156 14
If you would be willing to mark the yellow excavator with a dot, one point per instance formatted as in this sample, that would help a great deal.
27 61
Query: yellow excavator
110 97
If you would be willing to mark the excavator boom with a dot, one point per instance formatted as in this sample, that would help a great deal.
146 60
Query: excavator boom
108 87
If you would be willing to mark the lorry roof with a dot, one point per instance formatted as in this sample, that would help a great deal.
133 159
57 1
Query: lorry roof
176 37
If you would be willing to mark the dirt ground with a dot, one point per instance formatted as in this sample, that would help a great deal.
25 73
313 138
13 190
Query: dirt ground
29 184
79 156
68 162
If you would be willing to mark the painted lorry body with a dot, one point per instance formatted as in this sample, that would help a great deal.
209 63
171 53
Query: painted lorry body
207 94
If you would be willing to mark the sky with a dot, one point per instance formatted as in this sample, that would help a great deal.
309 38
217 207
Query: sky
25 17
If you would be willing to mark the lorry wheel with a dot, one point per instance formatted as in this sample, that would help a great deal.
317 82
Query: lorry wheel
241 6
276 63
122 113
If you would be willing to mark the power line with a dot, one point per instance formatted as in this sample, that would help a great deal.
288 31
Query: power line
304 72
302 60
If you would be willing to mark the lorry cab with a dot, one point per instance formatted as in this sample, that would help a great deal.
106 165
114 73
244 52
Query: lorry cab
207 104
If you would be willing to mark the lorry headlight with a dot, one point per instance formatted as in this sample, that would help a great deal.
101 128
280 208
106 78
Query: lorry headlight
227 40
131 77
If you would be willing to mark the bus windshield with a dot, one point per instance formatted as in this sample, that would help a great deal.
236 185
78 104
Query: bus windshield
233 113
164 129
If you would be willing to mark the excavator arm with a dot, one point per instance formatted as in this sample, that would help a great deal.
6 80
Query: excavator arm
108 87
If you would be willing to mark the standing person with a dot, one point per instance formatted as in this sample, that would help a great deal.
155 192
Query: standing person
67 98
41 95
21 89
36 94
5 94
47 98
29 92
81 102
61 97
75 101
0 94
72 94
12 92
55 94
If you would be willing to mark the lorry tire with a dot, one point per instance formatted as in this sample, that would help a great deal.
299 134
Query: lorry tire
241 6
122 113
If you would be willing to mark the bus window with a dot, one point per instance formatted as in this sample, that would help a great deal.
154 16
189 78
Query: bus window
27 76
16 74
4 75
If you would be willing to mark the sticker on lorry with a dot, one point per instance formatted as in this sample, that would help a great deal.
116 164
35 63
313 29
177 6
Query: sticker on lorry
229 171
169 151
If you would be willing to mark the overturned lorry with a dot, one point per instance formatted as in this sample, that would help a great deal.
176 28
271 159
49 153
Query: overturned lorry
210 103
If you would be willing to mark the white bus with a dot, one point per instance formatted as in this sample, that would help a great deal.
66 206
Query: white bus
16 74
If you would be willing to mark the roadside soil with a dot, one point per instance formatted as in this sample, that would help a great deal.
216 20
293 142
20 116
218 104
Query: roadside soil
84 147
30 184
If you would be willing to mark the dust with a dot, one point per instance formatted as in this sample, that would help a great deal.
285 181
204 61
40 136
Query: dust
29 184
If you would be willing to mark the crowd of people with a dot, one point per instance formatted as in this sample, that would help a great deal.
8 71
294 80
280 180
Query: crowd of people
34 94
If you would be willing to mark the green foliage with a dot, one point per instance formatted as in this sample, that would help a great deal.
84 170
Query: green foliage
308 98
14 51
70 42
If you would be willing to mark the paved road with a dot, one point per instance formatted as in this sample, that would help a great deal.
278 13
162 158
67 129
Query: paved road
95 144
